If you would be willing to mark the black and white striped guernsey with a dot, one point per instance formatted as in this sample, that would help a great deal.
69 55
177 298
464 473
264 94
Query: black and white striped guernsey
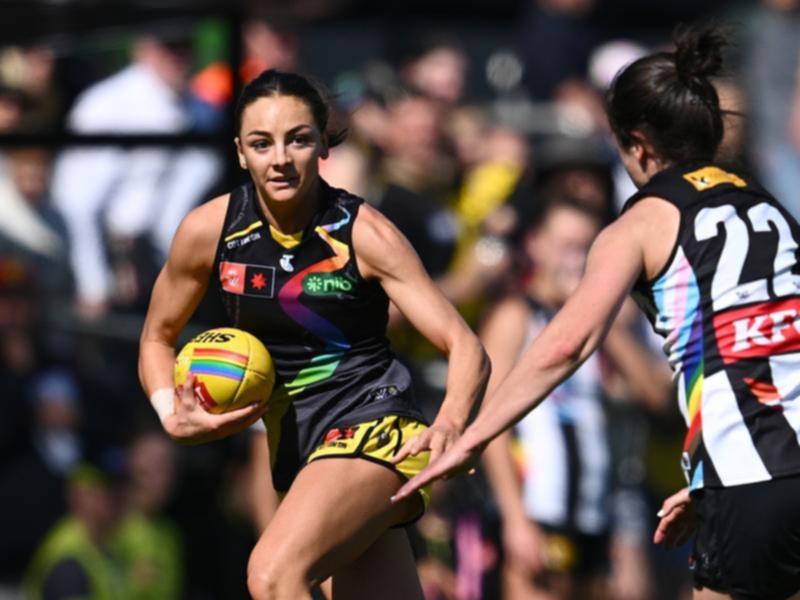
728 305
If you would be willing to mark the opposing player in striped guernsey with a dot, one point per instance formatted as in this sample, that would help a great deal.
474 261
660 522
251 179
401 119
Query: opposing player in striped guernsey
712 259
310 271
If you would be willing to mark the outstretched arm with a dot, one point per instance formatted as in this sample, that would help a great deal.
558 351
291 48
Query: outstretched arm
177 292
614 262
385 255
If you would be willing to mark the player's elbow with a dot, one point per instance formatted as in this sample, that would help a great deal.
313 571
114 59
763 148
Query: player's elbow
568 353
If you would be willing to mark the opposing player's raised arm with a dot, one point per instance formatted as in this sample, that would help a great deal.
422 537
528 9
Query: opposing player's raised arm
385 255
614 262
178 290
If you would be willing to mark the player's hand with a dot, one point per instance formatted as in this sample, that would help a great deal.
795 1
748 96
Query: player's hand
459 458
524 545
190 423
677 520
437 438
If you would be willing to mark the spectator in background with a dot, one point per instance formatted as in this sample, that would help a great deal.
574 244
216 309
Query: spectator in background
30 228
12 106
140 192
266 46
146 542
416 173
19 353
564 32
772 76
74 560
434 65
31 70
32 480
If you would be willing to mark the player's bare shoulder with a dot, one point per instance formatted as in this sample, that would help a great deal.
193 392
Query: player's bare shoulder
654 223
379 245
195 243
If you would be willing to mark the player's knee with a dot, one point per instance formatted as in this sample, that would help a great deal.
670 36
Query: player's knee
273 578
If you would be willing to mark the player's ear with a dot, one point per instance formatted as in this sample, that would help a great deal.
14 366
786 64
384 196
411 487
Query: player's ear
242 161
642 149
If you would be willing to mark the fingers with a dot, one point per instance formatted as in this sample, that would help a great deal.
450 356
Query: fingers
674 529
185 397
437 446
679 499
251 413
412 447
415 484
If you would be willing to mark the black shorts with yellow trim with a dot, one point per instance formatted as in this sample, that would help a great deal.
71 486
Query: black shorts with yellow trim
379 441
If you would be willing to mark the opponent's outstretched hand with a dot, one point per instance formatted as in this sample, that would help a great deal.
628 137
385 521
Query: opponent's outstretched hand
190 423
436 438
459 458
677 520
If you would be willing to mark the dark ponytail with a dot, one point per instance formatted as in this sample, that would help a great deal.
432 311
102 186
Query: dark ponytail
669 97
281 83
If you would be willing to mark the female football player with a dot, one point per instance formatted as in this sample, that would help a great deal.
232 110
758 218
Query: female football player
310 270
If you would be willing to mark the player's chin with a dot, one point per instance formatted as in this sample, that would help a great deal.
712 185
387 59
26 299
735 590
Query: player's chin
284 191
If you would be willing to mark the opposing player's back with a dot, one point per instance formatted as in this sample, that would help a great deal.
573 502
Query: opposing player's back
726 303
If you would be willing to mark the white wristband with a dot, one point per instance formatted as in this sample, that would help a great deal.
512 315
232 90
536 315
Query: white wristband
163 402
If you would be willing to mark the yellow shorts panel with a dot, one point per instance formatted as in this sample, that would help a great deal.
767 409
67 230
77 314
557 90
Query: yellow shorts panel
378 441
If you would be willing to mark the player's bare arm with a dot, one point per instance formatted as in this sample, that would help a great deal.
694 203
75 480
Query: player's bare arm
385 255
177 292
618 256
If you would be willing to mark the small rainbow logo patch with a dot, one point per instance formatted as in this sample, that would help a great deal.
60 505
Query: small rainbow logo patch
222 363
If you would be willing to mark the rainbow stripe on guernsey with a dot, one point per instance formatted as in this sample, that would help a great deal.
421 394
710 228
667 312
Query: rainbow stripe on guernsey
336 344
677 298
222 363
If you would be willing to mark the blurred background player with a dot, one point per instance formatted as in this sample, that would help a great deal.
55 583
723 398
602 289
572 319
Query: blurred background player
553 483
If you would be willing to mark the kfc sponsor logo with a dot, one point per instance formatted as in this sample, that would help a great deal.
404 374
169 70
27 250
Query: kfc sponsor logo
759 330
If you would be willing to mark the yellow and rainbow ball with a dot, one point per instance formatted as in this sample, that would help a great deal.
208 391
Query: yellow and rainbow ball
232 369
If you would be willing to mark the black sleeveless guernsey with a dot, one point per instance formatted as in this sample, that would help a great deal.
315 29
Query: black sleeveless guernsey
322 322
728 305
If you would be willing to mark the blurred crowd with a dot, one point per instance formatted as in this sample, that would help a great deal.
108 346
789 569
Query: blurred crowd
498 166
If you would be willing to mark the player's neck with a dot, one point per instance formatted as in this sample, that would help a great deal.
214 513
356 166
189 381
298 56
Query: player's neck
544 291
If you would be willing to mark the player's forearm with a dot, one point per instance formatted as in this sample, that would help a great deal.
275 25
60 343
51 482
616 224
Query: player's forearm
468 372
546 364
156 360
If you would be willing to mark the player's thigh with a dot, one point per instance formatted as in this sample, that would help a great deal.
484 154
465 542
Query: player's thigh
386 570
335 509
707 594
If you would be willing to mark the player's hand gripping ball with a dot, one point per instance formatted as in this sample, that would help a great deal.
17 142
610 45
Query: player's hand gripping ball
232 369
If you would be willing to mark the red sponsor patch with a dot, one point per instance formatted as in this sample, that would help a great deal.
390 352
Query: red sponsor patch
759 330
232 275
347 433
247 280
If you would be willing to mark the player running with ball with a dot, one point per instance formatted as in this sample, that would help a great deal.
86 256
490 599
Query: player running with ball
310 271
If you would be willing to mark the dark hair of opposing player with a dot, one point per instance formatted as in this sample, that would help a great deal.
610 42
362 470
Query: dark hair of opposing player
281 83
669 98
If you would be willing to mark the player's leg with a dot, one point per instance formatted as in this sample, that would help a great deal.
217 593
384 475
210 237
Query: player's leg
336 510
386 570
